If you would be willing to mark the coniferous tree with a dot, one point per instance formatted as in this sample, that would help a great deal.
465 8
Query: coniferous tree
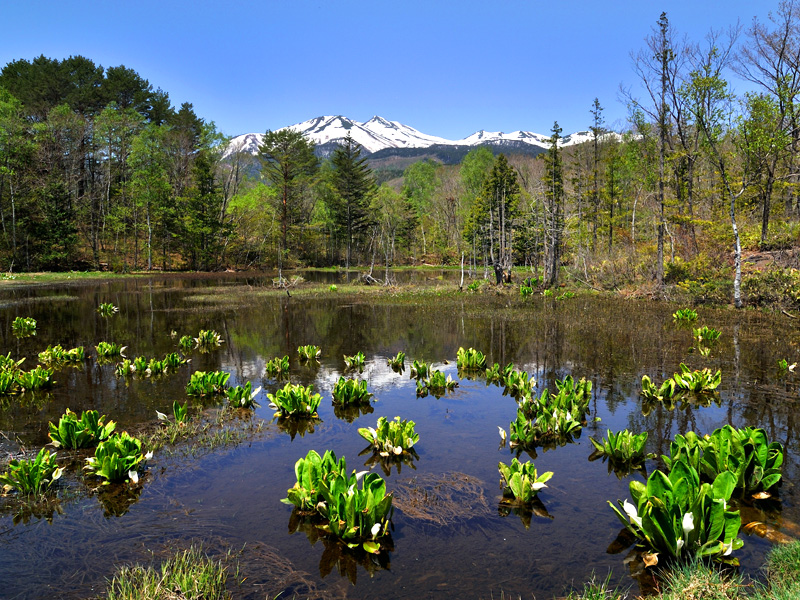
553 180
354 187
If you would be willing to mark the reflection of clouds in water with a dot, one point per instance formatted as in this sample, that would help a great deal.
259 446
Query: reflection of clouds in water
378 373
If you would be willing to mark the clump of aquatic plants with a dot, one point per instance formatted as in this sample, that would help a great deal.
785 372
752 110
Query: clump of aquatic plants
277 367
243 396
436 384
351 391
784 366
23 327
106 309
525 291
685 315
354 362
520 481
209 383
110 350
518 384
186 343
80 432
208 339
57 355
701 381
391 438
173 360
180 413
295 401
359 517
705 335
8 364
117 459
419 370
153 367
36 379
32 476
675 516
622 448
754 461
397 363
470 360
308 352
497 374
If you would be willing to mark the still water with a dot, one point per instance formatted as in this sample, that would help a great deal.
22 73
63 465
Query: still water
228 497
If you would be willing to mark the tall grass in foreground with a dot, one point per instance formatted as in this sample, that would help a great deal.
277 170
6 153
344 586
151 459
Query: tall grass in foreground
188 574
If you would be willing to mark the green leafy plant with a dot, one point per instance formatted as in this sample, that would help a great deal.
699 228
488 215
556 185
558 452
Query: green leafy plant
24 326
278 367
705 335
32 476
622 448
295 400
678 517
566 296
118 458
470 360
520 481
350 391
207 340
36 379
8 364
474 286
313 473
785 367
155 367
243 396
497 375
186 343
210 383
173 360
436 384
525 291
333 287
685 315
8 383
391 438
110 350
398 363
547 293
354 362
73 432
106 309
702 381
56 355
518 384
419 370
543 427
309 352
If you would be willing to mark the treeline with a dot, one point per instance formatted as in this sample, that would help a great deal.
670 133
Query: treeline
97 169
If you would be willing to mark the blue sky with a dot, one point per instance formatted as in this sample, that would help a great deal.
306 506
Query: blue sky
447 68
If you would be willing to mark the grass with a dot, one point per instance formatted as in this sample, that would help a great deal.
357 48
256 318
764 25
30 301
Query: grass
186 575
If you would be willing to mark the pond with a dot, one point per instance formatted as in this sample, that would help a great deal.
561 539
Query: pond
456 542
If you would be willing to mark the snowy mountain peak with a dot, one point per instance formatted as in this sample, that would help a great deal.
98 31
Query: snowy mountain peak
379 133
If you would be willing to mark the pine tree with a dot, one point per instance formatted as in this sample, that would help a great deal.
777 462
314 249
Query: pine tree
354 186
554 199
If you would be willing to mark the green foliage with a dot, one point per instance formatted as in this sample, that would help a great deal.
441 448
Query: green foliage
24 326
277 367
470 360
109 350
391 438
350 391
357 516
188 574
746 453
243 396
208 339
32 477
106 309
56 355
496 375
117 459
186 342
518 384
39 378
705 334
525 291
676 516
436 384
699 382
73 432
333 287
419 370
295 401
173 360
622 448
309 352
398 363
520 481
685 315
8 364
313 473
354 362
210 383
474 286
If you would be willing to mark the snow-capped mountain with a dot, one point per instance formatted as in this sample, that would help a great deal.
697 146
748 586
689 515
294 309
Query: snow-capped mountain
379 134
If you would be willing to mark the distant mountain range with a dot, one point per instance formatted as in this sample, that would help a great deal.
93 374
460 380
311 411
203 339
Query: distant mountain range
382 139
